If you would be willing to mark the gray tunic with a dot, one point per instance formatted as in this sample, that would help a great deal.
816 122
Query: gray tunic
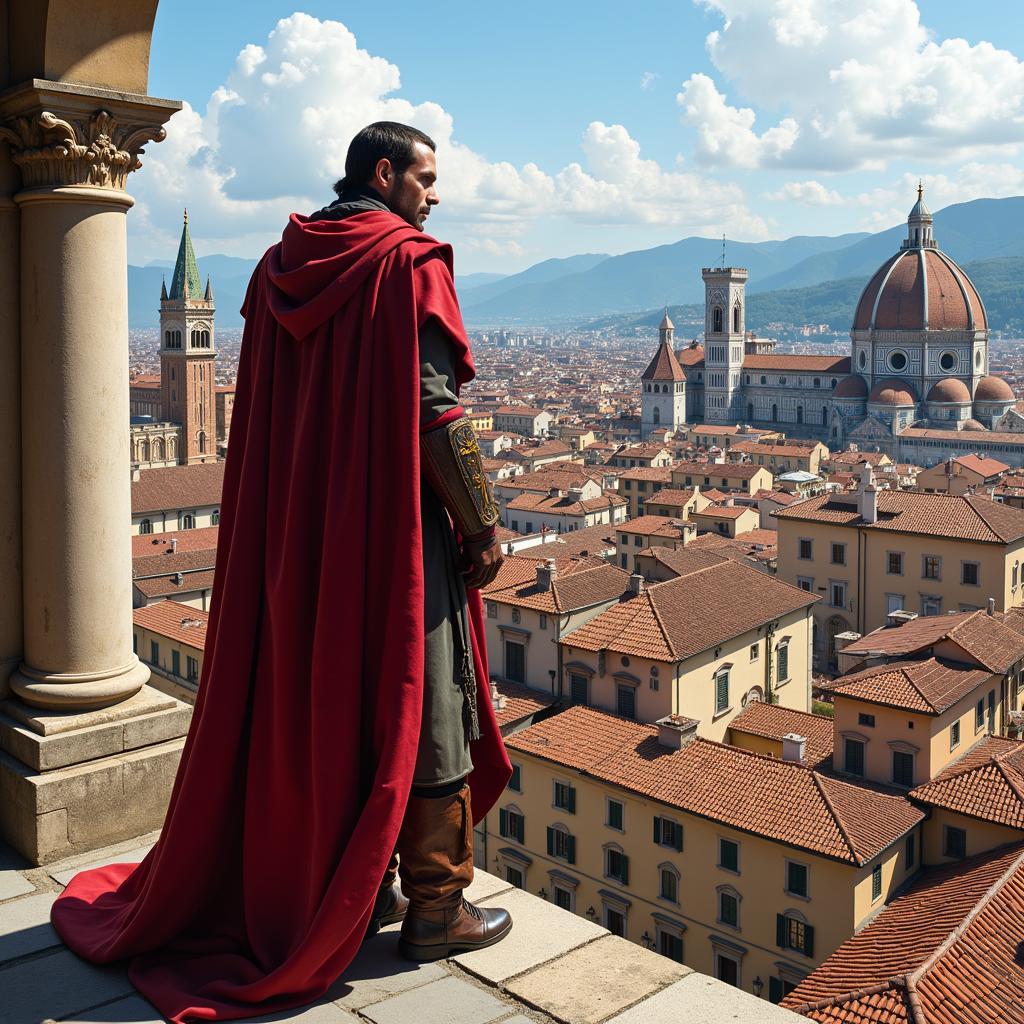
443 753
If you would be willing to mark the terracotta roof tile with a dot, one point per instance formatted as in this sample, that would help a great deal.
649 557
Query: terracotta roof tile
929 686
149 544
772 721
673 620
577 584
780 800
664 365
948 946
168 585
797 363
520 702
657 526
177 487
179 622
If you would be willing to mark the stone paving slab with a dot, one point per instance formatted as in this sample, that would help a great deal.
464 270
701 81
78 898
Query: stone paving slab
449 1001
379 972
25 926
698 999
13 883
485 886
592 982
56 985
127 857
540 932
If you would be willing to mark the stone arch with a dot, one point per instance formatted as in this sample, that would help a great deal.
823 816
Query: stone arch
158 449
716 320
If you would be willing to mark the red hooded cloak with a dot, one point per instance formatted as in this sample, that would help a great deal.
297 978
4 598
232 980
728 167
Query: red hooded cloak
299 759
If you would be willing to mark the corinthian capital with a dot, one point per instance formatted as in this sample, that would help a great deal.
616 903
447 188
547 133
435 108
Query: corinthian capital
61 135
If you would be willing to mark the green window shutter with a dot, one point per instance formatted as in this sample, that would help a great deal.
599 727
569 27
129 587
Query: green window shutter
551 841
808 940
625 869
521 828
780 930
572 849
774 990
571 804
657 829
503 823
679 838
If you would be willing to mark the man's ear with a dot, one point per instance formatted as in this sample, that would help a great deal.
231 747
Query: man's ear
383 173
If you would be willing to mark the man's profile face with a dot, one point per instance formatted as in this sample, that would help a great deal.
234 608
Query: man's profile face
410 194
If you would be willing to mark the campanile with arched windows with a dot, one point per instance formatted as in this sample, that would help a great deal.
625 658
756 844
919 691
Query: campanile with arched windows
724 329
187 356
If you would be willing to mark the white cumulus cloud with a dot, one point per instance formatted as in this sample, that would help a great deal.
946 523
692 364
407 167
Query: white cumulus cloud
810 193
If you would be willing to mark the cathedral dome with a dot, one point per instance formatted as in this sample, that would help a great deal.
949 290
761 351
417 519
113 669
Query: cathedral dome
851 387
920 288
973 425
950 390
993 389
892 392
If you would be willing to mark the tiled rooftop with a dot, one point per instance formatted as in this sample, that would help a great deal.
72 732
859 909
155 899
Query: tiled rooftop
177 487
554 968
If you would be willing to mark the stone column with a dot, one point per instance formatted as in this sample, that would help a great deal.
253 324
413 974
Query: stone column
75 148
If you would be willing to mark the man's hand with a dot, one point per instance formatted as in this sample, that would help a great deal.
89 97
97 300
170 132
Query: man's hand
481 561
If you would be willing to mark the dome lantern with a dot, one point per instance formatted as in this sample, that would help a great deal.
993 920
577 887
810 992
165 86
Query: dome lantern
919 225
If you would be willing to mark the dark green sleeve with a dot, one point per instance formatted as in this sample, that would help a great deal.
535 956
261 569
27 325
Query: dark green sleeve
437 373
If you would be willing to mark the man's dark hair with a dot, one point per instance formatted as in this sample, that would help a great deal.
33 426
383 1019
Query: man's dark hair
379 141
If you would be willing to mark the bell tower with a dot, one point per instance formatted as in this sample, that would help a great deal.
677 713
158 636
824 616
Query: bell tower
187 357
724 329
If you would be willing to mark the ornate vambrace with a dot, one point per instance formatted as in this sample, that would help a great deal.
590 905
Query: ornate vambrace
451 461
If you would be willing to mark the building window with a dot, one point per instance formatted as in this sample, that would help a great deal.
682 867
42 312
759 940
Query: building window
931 604
954 842
517 616
931 567
561 844
902 768
755 651
515 782
868 720
895 563
492 609
616 865
910 851
805 583
188 521
839 554
145 526
729 855
577 688
729 908
515 662
563 898
511 824
615 921
670 945
853 759
876 882
979 715
796 878
614 815
176 663
625 700
564 797
215 517
721 690
970 574
954 736
894 603
782 652
837 594
154 652
191 669
668 833
514 876
668 884
543 622
792 932
806 548
727 969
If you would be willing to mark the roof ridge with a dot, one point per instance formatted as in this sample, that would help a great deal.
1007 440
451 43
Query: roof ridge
915 977
970 499
857 859
917 689
658 619
1014 786
897 981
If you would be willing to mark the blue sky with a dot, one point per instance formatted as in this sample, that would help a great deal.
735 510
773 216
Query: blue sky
569 127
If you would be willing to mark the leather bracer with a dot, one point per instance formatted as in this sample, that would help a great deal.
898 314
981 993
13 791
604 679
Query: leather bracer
451 461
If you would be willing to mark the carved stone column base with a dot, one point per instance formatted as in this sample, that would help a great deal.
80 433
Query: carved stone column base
70 783
78 691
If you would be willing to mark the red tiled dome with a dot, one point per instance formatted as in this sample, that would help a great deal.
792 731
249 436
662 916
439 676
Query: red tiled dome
892 392
949 390
851 387
920 289
993 389
973 425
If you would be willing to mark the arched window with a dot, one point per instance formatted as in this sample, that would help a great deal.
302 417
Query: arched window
716 320
736 319
729 900
188 521
668 882
657 414
145 526
202 442
158 448
764 379
145 450
750 410
799 414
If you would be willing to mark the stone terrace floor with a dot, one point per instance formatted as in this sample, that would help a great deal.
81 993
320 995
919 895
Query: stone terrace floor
553 967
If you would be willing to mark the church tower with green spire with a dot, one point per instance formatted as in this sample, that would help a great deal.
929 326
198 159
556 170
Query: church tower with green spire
187 356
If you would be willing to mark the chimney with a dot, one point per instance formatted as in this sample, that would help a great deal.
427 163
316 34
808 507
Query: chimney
676 731
546 574
900 617
793 747
553 492
636 584
174 545
178 579
868 495
991 606
498 700
576 493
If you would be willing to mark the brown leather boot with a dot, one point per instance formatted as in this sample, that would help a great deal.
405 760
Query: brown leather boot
390 905
436 850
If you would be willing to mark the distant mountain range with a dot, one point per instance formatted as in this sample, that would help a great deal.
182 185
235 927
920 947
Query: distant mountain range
805 279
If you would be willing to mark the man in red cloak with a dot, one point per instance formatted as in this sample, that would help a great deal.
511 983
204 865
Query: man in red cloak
344 694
